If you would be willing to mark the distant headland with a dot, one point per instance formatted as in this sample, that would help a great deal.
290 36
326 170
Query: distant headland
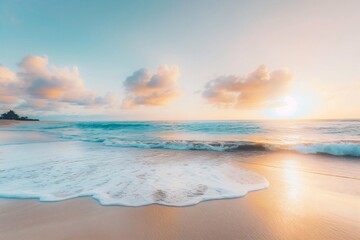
11 115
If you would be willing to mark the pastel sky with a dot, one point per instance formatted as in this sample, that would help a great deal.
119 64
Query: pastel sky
180 60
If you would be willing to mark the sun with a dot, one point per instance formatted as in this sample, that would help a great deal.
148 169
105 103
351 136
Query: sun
289 108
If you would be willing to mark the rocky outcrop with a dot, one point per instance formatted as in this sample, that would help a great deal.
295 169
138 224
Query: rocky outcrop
11 115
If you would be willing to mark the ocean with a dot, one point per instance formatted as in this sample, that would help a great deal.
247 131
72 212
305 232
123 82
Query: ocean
334 137
169 162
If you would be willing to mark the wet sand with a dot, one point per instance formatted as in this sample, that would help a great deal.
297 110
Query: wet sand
8 122
309 197
13 122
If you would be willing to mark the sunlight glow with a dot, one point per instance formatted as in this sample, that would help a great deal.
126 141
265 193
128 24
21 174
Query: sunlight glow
293 178
288 109
294 106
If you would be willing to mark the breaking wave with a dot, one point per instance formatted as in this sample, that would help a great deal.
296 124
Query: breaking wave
126 177
336 149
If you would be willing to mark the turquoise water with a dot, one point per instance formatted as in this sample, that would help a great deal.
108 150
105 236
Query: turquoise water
335 137
167 163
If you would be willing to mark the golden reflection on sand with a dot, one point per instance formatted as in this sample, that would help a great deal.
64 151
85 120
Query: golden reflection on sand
293 178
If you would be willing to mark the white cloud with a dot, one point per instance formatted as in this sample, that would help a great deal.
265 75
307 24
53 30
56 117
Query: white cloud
46 87
151 88
257 90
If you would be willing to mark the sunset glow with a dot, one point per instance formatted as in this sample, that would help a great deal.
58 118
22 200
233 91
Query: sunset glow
289 109
149 68
126 114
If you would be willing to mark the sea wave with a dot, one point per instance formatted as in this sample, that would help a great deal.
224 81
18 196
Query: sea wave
336 149
194 127
124 177
337 138
189 145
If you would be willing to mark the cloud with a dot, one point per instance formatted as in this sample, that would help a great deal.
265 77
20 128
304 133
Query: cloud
259 89
53 83
41 105
6 75
151 88
7 86
46 87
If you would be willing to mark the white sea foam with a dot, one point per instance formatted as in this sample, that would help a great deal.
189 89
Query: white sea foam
120 176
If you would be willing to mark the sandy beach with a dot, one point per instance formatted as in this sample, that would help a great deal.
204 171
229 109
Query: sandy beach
304 201
4 122
9 122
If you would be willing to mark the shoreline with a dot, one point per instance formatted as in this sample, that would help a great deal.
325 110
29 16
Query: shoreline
4 122
309 197
256 216
297 205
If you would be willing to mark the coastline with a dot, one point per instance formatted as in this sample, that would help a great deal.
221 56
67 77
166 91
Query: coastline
309 197
4 122
300 205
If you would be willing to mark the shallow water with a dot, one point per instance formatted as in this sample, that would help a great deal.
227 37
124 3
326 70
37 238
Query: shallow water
141 163
131 177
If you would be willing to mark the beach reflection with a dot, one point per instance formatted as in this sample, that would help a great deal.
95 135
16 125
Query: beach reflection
293 178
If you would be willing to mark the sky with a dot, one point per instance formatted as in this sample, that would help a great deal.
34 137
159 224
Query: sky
180 60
